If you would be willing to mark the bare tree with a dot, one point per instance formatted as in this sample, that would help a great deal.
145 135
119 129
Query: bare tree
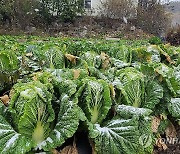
117 8
152 16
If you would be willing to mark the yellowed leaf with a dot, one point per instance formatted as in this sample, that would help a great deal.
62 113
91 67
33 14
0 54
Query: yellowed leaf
105 59
168 58
11 93
30 54
103 56
148 58
160 78
170 131
93 147
5 99
160 144
54 151
69 150
113 93
167 45
76 73
35 78
71 58
155 124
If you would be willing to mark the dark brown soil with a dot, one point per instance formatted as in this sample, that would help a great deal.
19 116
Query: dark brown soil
172 148
83 27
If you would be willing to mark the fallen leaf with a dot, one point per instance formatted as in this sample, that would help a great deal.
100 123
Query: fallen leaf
155 124
170 131
21 40
168 58
93 147
76 73
30 54
160 144
5 99
105 59
104 56
11 93
35 78
54 151
71 58
69 150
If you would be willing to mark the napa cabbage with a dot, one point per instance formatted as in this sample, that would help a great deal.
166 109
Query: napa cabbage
94 99
31 122
9 69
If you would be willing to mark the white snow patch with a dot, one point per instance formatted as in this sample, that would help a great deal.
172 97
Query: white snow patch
49 140
58 134
25 93
118 121
11 141
40 145
5 131
4 125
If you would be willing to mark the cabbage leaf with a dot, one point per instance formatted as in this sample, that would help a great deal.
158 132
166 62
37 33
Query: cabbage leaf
94 99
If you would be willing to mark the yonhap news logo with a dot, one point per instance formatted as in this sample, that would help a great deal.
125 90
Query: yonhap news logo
146 140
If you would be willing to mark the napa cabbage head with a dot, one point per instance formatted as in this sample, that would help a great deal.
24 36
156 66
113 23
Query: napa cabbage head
9 69
95 99
131 84
29 122
32 110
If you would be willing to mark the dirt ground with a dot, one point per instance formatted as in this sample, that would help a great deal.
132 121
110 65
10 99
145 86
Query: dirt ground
88 27
172 148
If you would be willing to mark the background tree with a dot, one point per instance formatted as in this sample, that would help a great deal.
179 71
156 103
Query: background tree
152 17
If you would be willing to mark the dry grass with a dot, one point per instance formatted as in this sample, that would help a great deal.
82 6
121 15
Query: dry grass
173 36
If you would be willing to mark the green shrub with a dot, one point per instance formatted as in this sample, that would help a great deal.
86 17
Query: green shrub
64 10
155 40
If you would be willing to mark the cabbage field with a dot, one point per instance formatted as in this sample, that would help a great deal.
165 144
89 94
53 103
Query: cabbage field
123 95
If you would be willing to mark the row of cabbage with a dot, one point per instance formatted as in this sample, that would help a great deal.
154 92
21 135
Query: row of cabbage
112 95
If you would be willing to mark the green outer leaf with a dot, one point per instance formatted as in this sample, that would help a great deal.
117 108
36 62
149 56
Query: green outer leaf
153 94
131 83
148 71
95 99
28 122
171 77
129 111
54 58
9 69
118 136
124 54
67 74
67 87
118 63
67 124
90 58
146 131
31 105
174 107
155 53
8 62
12 142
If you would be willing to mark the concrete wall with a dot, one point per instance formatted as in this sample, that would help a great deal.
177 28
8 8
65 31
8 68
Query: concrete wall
97 4
175 19
95 7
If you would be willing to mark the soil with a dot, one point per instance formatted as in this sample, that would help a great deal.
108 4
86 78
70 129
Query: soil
172 148
83 27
